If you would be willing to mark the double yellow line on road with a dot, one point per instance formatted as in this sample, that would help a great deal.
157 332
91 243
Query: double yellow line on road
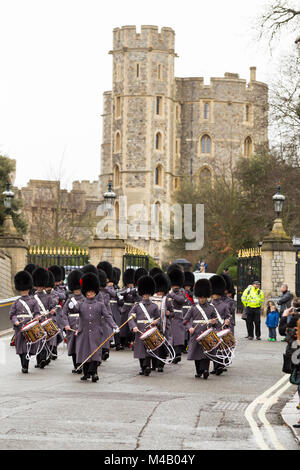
266 399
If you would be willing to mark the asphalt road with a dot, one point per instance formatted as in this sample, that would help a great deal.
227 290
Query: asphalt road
53 409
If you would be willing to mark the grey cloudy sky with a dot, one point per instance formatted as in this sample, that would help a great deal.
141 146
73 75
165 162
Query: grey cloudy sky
55 66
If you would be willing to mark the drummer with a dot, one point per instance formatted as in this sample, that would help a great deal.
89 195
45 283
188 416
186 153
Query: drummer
70 315
199 318
166 313
178 298
46 303
23 310
147 315
188 286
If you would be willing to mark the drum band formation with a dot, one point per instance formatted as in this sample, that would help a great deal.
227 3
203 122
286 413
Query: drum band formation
159 316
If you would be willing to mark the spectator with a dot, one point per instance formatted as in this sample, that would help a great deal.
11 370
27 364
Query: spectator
285 300
288 328
272 320
252 299
205 267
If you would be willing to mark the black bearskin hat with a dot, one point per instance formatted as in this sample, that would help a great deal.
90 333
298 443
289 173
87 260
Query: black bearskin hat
139 273
23 281
30 268
128 276
218 285
161 283
173 266
74 280
107 268
57 272
40 277
89 268
189 279
176 277
202 288
116 275
63 273
102 277
146 285
51 280
89 282
228 282
154 271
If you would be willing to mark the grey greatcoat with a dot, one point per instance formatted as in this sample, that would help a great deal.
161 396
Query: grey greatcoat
49 301
222 308
141 322
178 331
191 319
18 313
129 299
167 332
92 315
70 317
232 309
104 297
115 304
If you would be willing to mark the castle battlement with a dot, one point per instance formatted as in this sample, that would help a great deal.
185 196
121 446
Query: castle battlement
149 37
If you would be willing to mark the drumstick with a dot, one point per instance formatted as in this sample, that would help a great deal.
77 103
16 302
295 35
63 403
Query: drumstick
132 317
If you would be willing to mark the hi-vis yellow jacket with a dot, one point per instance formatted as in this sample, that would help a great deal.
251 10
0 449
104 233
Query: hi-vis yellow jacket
252 297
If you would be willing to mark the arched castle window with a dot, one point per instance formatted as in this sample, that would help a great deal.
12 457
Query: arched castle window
206 110
118 142
159 74
158 141
205 176
118 106
206 144
157 212
248 147
116 176
117 211
137 70
158 175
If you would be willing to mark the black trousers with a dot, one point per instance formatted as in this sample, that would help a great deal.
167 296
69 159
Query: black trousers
42 356
253 320
178 350
24 361
202 365
90 368
161 352
145 363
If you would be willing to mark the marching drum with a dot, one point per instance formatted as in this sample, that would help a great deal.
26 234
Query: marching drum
50 328
209 340
227 338
33 331
153 339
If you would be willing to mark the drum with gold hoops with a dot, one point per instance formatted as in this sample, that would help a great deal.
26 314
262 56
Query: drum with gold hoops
50 328
227 338
33 331
209 340
153 339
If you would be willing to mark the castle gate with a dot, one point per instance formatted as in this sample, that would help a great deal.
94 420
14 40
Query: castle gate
249 270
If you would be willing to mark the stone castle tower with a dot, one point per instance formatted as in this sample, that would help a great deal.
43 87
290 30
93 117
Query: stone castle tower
158 128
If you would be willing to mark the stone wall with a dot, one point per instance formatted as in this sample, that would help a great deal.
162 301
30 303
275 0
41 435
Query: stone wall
6 290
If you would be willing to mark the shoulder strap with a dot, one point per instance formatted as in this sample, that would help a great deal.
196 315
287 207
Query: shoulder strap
74 301
41 305
218 315
145 311
202 312
26 306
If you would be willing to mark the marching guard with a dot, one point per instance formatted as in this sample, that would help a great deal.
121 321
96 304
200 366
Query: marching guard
178 298
147 315
127 297
23 311
70 315
189 282
199 318
92 312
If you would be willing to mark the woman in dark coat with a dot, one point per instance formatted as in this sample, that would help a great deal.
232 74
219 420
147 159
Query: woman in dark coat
90 331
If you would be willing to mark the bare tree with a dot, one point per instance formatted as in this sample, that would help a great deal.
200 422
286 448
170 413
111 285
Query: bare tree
281 15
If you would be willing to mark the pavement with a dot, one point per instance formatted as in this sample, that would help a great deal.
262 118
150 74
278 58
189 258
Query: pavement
52 409
289 415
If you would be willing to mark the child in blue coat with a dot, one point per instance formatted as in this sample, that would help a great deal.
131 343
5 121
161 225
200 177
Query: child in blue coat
272 320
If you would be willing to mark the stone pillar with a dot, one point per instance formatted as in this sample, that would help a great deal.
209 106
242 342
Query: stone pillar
278 262
107 250
16 247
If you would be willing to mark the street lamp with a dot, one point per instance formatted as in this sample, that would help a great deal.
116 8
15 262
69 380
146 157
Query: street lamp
109 197
278 199
8 196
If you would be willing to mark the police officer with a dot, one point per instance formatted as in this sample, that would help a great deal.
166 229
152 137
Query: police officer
252 299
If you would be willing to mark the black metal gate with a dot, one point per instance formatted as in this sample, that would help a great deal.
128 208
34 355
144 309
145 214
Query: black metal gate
135 261
70 258
249 270
297 288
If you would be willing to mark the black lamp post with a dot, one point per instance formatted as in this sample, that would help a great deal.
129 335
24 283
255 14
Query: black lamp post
109 198
8 196
278 199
